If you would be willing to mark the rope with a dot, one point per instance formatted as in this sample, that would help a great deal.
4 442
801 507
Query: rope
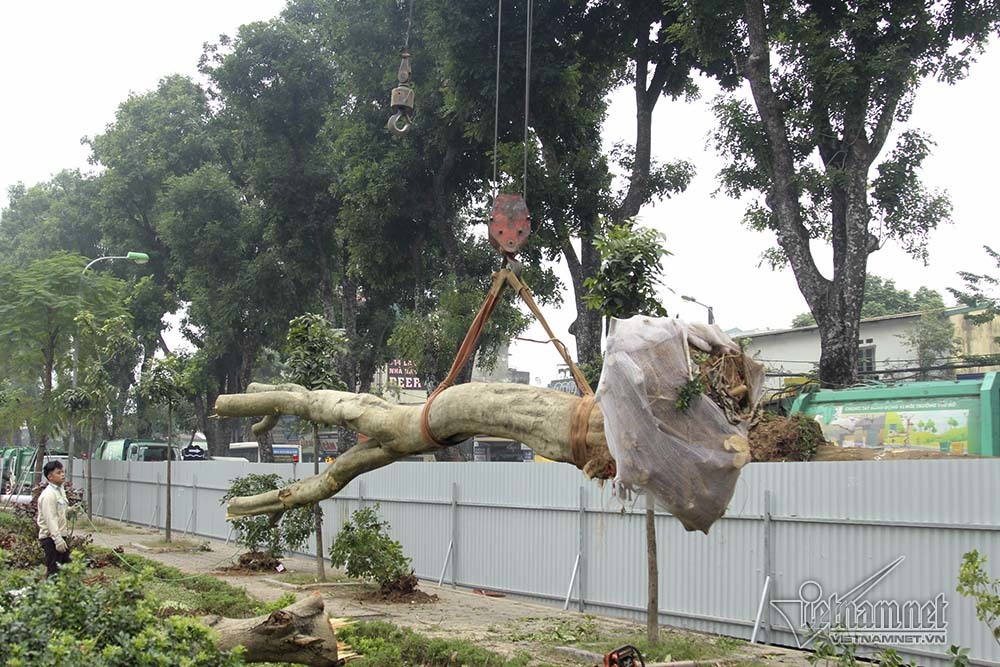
581 416
496 102
579 425
527 93
464 350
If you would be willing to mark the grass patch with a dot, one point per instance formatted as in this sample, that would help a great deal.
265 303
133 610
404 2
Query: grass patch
195 594
385 644
672 646
109 527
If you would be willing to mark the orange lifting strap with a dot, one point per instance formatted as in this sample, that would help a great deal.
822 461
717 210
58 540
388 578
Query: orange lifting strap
581 416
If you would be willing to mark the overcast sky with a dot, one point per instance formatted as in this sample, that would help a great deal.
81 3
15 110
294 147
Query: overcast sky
68 65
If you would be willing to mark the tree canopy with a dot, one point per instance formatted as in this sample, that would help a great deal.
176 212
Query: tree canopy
829 83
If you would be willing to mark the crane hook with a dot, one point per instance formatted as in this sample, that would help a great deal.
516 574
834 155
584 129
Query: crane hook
402 100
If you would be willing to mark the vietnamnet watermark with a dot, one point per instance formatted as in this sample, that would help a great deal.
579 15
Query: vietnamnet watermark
853 617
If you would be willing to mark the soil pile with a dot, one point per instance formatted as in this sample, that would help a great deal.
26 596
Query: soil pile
253 562
402 590
776 438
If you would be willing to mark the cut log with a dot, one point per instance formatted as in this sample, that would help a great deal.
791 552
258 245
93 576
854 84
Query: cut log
299 633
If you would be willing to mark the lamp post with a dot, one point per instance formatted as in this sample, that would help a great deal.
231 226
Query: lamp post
138 258
711 313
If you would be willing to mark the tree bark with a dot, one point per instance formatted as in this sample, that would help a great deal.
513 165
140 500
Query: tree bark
540 418
300 633
265 445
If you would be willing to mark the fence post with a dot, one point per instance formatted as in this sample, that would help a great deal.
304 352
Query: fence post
155 515
193 518
768 565
454 534
128 492
104 492
583 561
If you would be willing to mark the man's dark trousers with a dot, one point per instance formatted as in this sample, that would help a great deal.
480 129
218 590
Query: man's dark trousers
53 559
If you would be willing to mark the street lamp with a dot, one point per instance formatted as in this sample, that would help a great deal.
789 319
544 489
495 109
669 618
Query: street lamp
138 258
711 313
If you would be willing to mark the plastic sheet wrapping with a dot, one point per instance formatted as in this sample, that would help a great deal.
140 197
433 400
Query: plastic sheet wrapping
689 459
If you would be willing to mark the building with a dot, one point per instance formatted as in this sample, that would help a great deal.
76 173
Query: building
790 354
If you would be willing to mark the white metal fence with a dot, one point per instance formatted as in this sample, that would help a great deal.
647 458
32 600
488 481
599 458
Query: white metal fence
876 540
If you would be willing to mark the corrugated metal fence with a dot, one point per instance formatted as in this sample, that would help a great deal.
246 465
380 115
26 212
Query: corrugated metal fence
878 540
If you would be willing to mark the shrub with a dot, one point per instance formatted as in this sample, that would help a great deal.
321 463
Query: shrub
974 582
19 536
364 546
63 621
256 532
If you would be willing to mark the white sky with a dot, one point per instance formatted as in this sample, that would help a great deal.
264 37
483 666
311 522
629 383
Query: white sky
68 65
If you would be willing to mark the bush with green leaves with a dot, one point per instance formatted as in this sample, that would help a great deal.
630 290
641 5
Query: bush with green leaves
256 533
365 548
62 620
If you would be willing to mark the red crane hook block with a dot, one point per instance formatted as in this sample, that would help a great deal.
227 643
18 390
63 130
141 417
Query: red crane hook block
510 223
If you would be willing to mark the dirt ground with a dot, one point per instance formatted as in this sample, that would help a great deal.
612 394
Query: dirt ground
502 624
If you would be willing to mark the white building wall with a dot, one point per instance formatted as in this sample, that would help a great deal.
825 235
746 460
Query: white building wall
796 351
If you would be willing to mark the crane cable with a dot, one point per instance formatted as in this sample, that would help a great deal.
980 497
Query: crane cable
529 19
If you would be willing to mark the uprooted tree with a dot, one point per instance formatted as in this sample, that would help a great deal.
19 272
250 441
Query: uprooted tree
687 452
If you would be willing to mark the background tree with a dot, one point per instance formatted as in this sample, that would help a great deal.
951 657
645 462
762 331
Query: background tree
38 307
975 294
625 286
103 346
882 297
313 352
163 383
828 84
933 342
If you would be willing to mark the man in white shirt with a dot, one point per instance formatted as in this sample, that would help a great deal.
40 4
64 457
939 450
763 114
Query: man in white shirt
52 507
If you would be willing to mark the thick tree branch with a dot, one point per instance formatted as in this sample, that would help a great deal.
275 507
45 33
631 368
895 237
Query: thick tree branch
540 418
884 124
783 198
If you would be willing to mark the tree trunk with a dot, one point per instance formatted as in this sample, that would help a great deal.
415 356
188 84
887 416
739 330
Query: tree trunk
300 633
587 326
265 445
170 456
90 471
838 360
653 575
540 418
320 571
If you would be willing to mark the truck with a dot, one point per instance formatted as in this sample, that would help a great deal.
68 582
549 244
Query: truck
128 449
